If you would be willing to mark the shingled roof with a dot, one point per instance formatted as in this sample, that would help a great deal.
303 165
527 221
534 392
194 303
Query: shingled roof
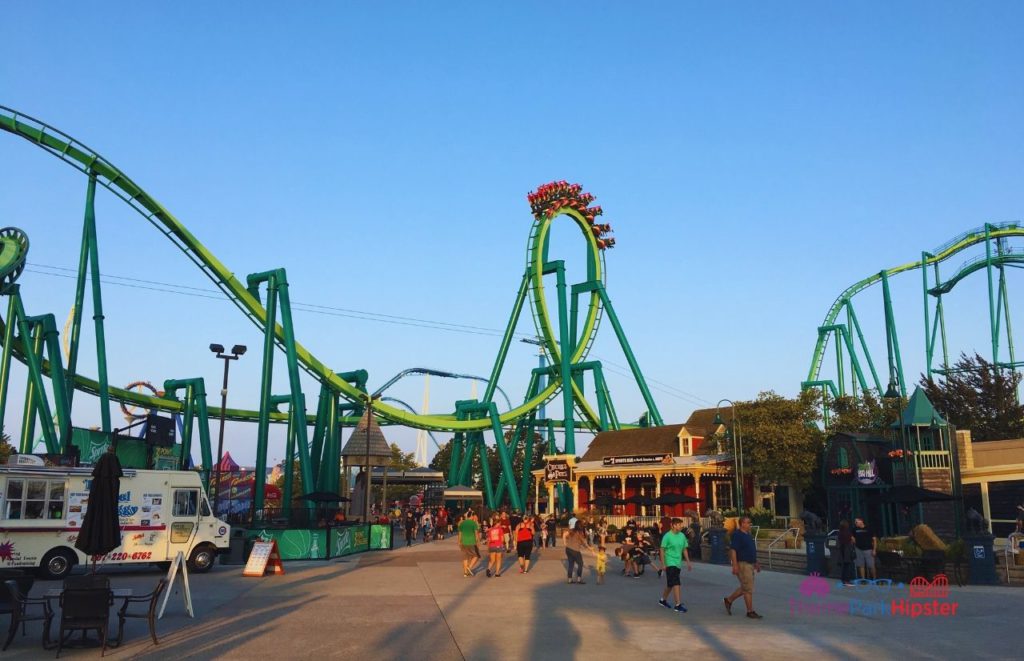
701 421
355 448
642 440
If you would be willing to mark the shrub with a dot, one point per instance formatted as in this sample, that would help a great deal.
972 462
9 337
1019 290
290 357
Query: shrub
955 550
910 549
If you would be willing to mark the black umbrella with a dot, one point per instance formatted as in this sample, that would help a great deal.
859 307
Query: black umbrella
909 494
606 501
101 528
646 501
675 499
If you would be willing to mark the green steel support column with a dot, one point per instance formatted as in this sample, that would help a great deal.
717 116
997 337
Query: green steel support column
454 459
1006 314
630 358
524 479
486 470
895 361
32 343
289 465
97 310
840 378
5 357
320 428
187 426
83 265
465 474
205 447
565 354
573 312
28 425
298 399
940 313
993 332
266 384
57 380
613 417
329 466
848 341
506 339
602 407
864 346
552 448
853 356
928 345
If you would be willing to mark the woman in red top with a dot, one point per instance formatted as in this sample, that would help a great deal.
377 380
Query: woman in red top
524 543
495 546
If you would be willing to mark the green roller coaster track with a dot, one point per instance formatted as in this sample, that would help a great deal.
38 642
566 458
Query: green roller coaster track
563 344
850 342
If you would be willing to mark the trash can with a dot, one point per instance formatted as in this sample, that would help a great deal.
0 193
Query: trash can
716 539
815 545
981 559
236 548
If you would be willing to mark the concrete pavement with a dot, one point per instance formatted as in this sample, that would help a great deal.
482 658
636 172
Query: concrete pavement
415 604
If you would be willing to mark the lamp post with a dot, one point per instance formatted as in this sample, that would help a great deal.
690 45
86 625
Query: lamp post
369 418
236 351
737 443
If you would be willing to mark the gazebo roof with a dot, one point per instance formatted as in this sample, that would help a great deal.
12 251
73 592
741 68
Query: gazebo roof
920 412
355 448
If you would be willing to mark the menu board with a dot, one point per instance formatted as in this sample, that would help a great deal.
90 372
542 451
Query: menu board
78 502
264 556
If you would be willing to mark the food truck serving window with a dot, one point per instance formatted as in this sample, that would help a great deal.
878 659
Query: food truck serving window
186 502
34 499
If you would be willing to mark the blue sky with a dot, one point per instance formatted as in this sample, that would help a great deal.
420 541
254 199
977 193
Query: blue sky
753 159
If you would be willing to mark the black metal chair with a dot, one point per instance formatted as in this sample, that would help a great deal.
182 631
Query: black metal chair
17 605
933 563
86 582
890 565
150 614
85 610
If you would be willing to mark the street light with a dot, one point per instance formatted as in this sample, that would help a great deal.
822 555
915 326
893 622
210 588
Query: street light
236 351
370 399
737 447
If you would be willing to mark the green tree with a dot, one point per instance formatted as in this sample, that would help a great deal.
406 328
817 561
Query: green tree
5 447
866 414
782 443
979 396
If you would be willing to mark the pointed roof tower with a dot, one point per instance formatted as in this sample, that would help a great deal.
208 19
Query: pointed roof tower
920 412
355 448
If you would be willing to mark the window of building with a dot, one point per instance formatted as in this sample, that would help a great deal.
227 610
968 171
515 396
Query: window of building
844 458
685 449
34 499
723 495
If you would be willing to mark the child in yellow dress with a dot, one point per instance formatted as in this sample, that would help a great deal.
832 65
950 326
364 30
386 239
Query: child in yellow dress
602 564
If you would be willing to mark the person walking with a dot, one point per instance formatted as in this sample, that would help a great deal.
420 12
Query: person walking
575 541
743 553
846 550
495 546
524 544
674 548
410 528
602 530
865 548
426 524
469 530
552 530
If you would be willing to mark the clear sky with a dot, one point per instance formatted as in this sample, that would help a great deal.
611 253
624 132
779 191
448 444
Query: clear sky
754 159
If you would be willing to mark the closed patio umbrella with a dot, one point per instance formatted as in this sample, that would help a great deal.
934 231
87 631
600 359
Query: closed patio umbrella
101 530
675 499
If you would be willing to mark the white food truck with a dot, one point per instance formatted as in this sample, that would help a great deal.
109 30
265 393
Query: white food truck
162 512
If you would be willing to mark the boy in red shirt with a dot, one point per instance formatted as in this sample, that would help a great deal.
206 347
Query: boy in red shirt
495 547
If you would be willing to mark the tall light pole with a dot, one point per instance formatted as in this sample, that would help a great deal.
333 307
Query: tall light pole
737 449
369 419
236 351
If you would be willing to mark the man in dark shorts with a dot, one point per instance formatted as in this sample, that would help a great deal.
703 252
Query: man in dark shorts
865 549
468 530
673 549
744 566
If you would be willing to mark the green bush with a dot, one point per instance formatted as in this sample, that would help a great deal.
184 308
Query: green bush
910 549
761 516
955 550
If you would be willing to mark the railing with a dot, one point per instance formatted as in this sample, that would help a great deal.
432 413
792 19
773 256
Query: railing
771 544
932 459
1013 547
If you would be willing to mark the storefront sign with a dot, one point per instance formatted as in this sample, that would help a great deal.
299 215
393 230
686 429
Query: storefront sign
556 471
634 459
867 473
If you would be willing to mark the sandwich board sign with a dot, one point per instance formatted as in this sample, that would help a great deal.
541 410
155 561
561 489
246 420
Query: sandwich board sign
264 558
172 573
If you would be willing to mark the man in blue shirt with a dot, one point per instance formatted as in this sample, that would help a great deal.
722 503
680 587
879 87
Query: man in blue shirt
743 553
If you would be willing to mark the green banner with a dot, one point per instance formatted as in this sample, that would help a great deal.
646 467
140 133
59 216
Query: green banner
296 544
380 537
348 539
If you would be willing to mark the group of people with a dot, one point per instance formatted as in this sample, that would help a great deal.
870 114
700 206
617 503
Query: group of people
503 531
856 550
432 523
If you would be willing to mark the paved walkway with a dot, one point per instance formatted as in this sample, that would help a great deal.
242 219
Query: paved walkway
415 604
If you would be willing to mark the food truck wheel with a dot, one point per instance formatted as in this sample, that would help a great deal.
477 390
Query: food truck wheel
202 558
57 564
